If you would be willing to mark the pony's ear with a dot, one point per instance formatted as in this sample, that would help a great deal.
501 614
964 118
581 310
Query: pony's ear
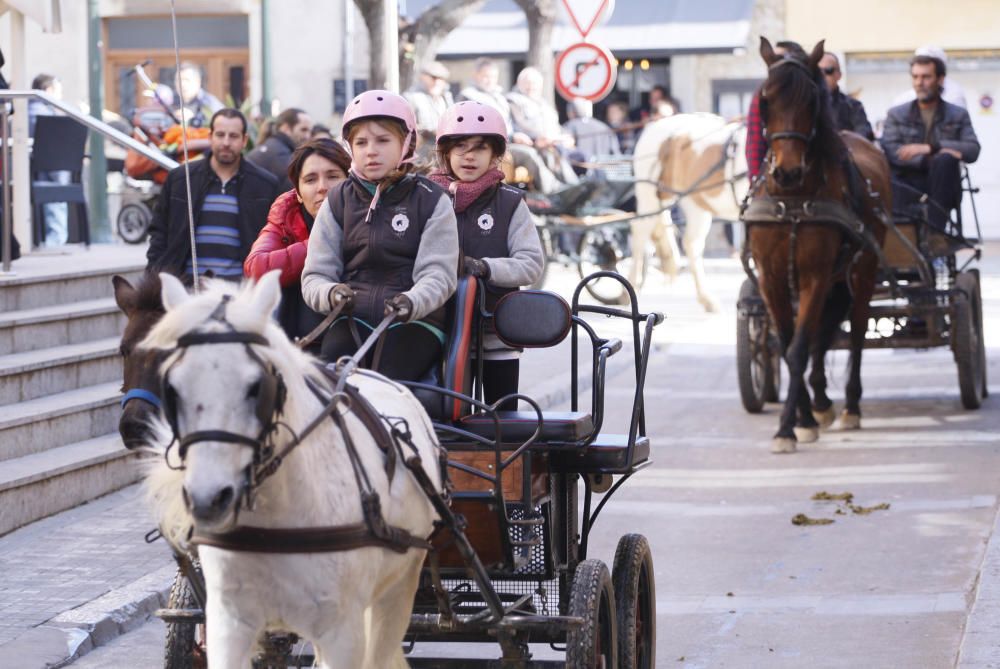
767 51
817 54
125 294
267 293
173 292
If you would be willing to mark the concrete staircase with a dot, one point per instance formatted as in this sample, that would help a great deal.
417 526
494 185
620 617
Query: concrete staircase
60 375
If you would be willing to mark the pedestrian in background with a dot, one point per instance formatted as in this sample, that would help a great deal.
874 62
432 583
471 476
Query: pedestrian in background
56 214
274 153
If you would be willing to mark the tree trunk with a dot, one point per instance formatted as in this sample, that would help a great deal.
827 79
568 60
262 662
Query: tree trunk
425 35
373 13
541 16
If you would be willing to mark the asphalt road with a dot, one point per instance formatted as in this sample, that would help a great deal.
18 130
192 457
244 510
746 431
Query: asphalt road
737 584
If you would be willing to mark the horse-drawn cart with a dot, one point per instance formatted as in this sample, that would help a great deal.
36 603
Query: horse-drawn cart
510 561
928 296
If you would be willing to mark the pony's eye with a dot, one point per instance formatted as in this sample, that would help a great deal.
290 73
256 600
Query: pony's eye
253 391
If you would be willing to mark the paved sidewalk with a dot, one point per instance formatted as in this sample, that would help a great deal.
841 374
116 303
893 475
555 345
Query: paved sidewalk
74 580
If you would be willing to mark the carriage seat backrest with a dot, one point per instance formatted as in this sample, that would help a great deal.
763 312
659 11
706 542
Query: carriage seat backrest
532 319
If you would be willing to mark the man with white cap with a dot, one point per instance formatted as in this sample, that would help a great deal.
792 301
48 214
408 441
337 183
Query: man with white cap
951 90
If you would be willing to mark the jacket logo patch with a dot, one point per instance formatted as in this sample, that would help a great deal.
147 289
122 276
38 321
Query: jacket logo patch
400 222
485 222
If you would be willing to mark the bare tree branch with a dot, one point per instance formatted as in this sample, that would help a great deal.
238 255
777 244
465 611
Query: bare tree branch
541 16
425 35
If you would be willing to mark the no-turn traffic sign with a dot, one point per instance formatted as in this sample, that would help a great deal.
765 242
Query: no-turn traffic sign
585 70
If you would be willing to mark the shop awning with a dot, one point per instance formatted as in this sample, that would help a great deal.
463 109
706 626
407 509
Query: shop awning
638 28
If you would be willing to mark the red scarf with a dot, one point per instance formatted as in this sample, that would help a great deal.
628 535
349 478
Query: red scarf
466 192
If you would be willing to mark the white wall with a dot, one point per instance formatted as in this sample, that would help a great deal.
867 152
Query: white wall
61 54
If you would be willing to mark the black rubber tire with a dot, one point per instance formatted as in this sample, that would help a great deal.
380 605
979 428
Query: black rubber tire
758 369
967 340
635 595
592 597
982 339
183 649
133 222
607 247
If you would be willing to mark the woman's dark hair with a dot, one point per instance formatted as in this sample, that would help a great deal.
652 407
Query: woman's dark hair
447 144
327 148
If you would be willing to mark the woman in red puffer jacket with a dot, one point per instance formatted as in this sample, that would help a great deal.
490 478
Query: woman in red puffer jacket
315 168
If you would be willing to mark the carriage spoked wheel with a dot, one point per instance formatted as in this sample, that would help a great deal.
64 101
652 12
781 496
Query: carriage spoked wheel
133 222
967 339
758 368
635 596
185 646
592 597
608 248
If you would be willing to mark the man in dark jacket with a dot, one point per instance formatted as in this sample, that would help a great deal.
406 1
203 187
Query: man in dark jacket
230 201
925 140
291 129
848 113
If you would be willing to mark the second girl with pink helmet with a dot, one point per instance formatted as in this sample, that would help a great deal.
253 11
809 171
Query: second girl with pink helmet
384 240
496 233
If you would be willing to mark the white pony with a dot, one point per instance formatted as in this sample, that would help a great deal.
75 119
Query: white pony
699 154
354 605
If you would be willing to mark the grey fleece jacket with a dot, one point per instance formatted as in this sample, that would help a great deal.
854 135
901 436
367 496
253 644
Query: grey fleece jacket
434 278
524 266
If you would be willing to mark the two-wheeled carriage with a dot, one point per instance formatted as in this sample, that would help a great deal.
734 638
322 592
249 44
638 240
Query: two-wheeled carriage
510 563
928 296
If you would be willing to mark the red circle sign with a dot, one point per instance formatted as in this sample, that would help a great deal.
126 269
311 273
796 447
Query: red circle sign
585 70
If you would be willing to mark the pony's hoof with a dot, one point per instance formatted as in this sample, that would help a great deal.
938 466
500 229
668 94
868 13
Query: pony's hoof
709 304
782 445
807 435
850 421
825 418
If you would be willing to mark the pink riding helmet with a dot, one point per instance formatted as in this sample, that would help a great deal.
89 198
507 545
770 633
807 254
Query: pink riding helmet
376 103
471 118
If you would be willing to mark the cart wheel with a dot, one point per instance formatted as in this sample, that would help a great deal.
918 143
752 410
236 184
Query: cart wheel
635 594
758 369
592 597
982 340
608 248
133 222
185 647
967 340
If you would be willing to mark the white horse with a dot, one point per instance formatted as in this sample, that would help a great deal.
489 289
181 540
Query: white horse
695 161
353 605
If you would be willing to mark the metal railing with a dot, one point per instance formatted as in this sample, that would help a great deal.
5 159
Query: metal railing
94 124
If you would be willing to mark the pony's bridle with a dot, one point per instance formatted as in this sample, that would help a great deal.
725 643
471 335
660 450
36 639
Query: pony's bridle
270 394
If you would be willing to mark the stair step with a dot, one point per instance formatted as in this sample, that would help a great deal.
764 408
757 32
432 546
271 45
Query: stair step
33 374
39 485
59 325
54 420
26 292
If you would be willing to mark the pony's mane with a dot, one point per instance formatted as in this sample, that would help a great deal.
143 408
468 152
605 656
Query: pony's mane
793 86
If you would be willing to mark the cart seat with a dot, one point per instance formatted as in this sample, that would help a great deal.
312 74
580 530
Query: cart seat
608 454
518 426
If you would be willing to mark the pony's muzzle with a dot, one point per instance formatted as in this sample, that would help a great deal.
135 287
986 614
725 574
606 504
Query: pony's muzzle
210 506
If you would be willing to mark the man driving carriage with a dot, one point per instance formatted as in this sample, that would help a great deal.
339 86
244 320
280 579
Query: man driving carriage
925 140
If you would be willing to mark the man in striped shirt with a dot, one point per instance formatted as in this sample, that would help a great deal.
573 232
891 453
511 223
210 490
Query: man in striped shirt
230 200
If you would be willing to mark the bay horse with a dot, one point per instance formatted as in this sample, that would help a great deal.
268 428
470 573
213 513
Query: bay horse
142 305
816 225
268 460
698 162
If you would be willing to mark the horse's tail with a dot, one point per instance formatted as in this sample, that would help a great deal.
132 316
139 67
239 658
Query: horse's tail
164 484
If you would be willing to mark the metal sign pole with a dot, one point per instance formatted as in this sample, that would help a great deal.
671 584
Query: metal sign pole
5 158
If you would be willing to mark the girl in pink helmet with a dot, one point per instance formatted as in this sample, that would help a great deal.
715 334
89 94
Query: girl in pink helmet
384 240
497 236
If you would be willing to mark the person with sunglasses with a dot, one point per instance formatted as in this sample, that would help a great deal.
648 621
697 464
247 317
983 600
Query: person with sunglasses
848 112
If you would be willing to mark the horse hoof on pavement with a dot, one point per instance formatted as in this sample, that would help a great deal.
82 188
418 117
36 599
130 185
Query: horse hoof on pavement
825 418
850 421
782 445
807 435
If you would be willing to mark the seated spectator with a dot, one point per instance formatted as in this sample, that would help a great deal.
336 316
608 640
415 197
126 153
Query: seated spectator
591 137
430 96
485 89
848 113
926 139
537 139
951 90
617 118
291 128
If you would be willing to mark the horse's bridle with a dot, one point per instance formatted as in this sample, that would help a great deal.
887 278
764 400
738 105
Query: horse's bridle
817 100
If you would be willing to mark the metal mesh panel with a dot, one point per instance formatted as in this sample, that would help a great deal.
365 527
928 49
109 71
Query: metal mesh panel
466 598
